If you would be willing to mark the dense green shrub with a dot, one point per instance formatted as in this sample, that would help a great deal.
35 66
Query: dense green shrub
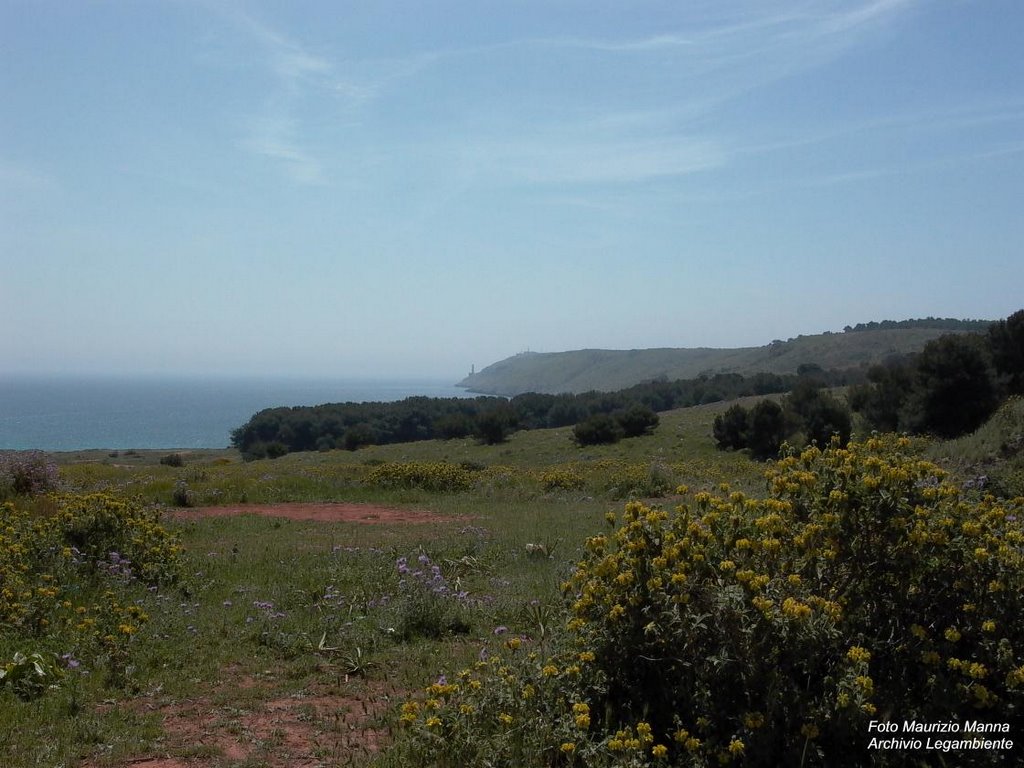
766 430
730 428
954 389
1006 339
817 413
761 632
598 429
636 421
494 425
881 398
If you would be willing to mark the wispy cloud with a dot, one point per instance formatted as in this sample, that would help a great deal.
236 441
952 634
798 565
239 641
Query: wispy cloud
275 132
289 60
610 160
273 137
705 62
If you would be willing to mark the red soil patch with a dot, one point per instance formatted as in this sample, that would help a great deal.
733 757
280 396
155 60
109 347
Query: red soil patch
310 729
323 512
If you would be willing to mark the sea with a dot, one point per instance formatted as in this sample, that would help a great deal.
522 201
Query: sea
77 413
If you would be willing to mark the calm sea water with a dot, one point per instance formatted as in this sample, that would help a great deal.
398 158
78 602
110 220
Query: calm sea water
67 414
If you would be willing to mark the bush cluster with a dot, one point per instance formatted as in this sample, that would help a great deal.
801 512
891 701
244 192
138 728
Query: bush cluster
65 566
435 476
612 427
808 414
761 632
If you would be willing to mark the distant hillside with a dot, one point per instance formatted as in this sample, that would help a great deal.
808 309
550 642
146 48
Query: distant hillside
609 370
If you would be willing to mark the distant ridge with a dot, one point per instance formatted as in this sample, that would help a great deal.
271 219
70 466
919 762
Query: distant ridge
609 370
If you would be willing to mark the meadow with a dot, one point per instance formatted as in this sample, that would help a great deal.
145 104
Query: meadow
137 635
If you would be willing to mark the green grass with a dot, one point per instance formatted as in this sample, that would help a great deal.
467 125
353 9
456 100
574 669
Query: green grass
337 606
681 447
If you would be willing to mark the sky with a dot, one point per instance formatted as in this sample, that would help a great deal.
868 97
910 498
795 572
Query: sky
398 189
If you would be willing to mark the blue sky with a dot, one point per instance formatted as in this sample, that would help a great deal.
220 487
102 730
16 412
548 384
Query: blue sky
409 189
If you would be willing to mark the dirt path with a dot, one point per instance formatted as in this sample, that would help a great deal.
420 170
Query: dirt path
310 729
324 512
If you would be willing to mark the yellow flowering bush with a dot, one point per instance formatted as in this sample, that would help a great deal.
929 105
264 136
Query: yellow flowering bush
69 565
437 476
561 479
768 631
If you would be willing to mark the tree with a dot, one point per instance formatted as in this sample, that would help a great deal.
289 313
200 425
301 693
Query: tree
881 400
637 420
494 425
730 428
597 429
767 429
954 387
1006 339
817 413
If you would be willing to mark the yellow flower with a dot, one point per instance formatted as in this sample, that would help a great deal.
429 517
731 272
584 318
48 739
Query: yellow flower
753 720
857 654
736 747
659 750
865 683
976 670
568 747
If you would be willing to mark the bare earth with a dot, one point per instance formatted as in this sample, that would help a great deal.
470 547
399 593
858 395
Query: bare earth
312 729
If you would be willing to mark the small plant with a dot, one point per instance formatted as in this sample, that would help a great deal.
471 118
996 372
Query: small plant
27 473
428 606
182 495
173 460
29 676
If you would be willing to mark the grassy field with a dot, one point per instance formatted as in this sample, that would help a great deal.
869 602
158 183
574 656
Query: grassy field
290 642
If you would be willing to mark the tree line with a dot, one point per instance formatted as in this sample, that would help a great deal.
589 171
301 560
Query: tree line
935 323
948 389
274 432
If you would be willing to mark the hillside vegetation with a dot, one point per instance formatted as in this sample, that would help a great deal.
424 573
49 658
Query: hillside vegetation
608 370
